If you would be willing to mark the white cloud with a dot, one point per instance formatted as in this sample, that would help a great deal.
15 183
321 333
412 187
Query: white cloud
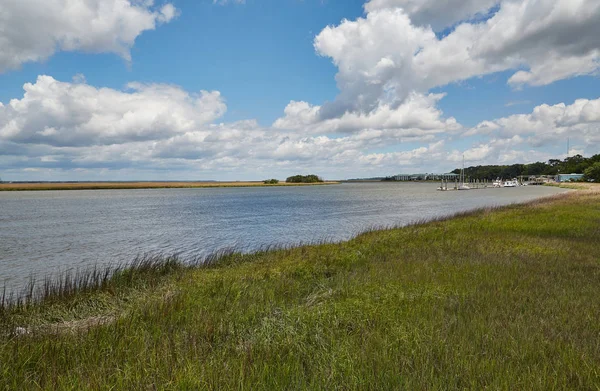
438 14
225 2
417 116
555 68
499 151
62 125
95 26
549 125
517 103
161 128
384 57
423 156
167 13
374 60
66 114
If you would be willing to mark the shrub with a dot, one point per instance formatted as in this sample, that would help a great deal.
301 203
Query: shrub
271 181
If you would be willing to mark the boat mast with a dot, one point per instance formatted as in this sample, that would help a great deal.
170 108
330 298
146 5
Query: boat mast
462 172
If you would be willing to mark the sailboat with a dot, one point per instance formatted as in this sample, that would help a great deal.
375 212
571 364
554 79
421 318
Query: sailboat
461 184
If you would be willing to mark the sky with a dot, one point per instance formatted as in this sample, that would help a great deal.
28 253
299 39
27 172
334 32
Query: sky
256 89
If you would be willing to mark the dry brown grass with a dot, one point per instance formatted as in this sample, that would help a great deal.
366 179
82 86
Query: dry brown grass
590 186
72 327
136 185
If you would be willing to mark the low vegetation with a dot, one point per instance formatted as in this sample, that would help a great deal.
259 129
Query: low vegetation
129 185
271 181
304 179
494 299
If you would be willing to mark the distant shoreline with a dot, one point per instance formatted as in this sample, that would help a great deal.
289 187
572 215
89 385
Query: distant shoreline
40 186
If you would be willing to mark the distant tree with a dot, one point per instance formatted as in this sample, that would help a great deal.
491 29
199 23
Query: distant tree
537 168
304 179
593 172
271 181
554 162
572 164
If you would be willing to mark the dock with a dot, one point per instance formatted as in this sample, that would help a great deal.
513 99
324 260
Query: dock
446 185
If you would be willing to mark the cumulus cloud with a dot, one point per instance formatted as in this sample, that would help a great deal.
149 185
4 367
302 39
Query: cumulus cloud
435 13
421 156
72 125
548 126
76 114
534 136
161 128
374 60
384 56
109 26
416 117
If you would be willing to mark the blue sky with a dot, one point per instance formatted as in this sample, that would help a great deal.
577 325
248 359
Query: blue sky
262 48
272 88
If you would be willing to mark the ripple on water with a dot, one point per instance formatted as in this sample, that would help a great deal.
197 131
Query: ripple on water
46 231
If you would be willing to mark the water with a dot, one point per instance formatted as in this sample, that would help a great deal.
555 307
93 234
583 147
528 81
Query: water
51 231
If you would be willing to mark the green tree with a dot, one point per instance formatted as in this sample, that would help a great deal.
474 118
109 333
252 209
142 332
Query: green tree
593 172
537 168
574 164
304 179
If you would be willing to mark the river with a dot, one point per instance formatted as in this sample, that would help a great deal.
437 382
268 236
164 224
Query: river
48 232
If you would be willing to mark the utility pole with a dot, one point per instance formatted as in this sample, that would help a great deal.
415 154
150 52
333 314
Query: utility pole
568 146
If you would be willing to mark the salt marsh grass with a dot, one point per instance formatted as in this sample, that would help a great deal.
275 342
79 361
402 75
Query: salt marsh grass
137 185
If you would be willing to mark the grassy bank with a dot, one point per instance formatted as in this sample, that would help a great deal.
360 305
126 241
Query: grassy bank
137 185
502 299
575 185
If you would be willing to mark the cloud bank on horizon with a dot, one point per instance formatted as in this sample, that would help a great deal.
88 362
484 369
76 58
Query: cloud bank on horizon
392 64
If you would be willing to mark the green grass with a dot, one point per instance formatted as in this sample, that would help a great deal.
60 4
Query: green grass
495 299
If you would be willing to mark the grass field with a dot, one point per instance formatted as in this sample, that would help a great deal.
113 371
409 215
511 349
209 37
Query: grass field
137 185
503 298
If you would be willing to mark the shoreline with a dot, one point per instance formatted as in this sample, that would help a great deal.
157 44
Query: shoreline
514 286
213 259
48 186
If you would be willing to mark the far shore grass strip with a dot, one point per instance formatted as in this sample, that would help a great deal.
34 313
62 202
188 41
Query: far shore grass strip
139 185
498 298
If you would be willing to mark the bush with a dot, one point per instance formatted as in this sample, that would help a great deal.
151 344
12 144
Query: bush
271 181
593 172
304 179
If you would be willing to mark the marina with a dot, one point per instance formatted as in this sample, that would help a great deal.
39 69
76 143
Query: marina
475 184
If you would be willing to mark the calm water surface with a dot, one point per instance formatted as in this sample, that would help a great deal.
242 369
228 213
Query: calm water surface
50 231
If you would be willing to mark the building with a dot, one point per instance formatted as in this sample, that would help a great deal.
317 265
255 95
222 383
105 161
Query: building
569 177
425 177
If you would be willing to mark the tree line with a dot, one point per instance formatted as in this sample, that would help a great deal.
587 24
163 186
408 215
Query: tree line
573 164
